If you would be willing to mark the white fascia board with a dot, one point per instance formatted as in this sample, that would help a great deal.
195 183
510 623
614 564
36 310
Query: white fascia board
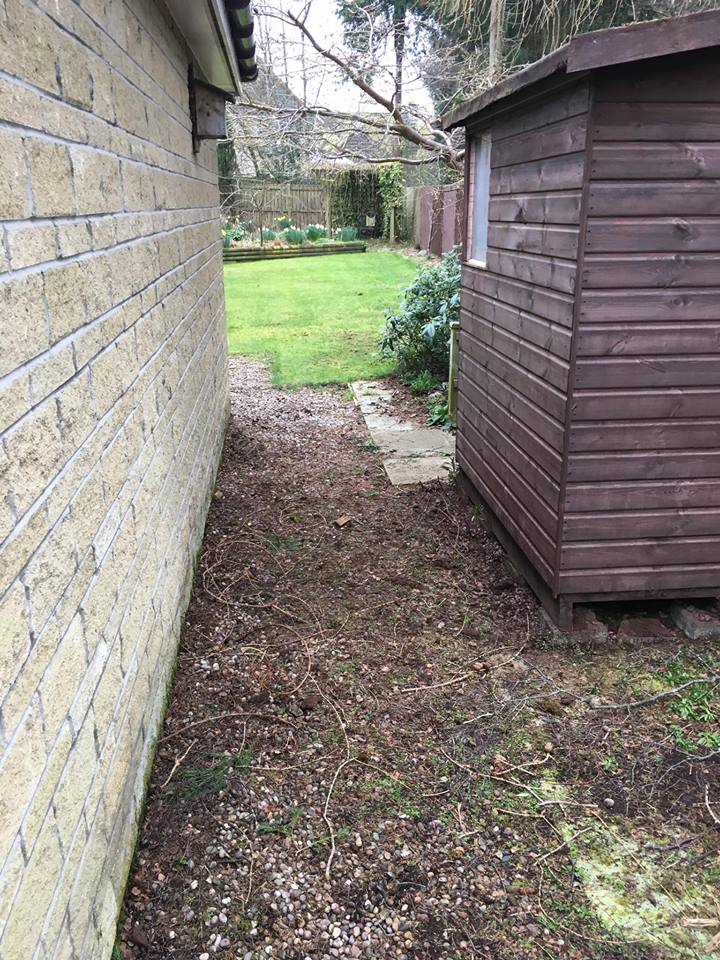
204 25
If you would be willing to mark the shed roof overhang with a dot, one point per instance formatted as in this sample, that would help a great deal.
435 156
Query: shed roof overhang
590 51
220 35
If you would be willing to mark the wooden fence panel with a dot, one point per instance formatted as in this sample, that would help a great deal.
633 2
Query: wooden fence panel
439 218
262 202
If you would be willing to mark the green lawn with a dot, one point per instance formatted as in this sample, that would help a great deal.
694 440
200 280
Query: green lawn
316 319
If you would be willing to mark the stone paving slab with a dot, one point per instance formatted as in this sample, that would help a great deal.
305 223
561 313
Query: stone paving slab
370 395
411 454
415 441
377 422
406 470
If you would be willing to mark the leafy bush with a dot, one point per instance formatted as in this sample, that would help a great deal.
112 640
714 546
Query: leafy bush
315 232
293 236
243 230
284 222
439 414
269 234
417 334
346 234
421 382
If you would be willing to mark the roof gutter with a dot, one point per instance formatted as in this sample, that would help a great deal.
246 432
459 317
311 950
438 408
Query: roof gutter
220 36
242 27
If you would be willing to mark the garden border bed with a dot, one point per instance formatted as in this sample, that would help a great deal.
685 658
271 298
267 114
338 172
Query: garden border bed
239 255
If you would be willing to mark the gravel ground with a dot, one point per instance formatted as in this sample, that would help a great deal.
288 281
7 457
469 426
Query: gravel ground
366 703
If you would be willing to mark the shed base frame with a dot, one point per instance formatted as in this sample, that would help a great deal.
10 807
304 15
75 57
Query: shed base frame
560 609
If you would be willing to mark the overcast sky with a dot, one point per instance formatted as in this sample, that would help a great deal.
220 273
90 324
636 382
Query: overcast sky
320 81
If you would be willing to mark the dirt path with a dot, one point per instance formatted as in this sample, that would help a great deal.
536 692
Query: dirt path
373 746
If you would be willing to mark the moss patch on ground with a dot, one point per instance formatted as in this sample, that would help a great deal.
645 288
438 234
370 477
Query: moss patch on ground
639 885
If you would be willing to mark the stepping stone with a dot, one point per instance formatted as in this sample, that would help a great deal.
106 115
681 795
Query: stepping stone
414 442
403 470
411 454
379 422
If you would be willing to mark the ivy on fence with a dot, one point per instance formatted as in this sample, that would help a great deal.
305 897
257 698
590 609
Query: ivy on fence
391 178
355 195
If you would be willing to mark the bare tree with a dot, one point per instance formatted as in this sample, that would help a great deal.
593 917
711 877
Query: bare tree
407 62
394 127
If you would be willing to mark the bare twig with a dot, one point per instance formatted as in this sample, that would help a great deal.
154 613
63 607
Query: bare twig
326 818
178 761
226 716
480 716
663 695
493 776
562 845
713 815
668 848
436 686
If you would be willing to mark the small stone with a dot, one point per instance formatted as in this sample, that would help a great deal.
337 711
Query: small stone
609 802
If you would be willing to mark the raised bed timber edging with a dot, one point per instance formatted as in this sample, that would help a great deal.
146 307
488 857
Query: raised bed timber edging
289 253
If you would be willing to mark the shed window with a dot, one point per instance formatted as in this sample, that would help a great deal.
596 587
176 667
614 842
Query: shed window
480 198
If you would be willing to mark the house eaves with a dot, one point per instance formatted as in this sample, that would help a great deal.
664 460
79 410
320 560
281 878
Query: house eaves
220 36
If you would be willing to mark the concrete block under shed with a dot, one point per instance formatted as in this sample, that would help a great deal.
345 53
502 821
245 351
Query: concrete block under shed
586 626
696 623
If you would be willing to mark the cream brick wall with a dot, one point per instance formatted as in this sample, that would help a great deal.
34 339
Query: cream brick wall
113 402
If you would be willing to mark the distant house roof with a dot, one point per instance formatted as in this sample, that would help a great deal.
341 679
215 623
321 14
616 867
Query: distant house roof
602 48
220 35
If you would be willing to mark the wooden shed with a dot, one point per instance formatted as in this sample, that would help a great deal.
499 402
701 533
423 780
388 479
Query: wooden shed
589 382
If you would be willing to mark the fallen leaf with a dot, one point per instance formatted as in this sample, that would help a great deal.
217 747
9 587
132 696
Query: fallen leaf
138 936
310 701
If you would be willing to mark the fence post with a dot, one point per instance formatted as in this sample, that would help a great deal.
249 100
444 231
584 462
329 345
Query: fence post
454 365
328 224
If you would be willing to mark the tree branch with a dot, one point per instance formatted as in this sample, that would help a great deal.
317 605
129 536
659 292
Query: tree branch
400 126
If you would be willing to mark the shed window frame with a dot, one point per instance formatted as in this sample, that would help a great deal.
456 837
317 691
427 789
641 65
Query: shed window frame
479 206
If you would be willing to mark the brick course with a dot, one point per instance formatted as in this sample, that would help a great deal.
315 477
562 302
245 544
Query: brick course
113 403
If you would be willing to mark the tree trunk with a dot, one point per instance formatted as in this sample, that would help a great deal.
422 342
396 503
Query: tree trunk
497 36
399 31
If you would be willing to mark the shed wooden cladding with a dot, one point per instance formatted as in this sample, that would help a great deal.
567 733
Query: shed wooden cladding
589 384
